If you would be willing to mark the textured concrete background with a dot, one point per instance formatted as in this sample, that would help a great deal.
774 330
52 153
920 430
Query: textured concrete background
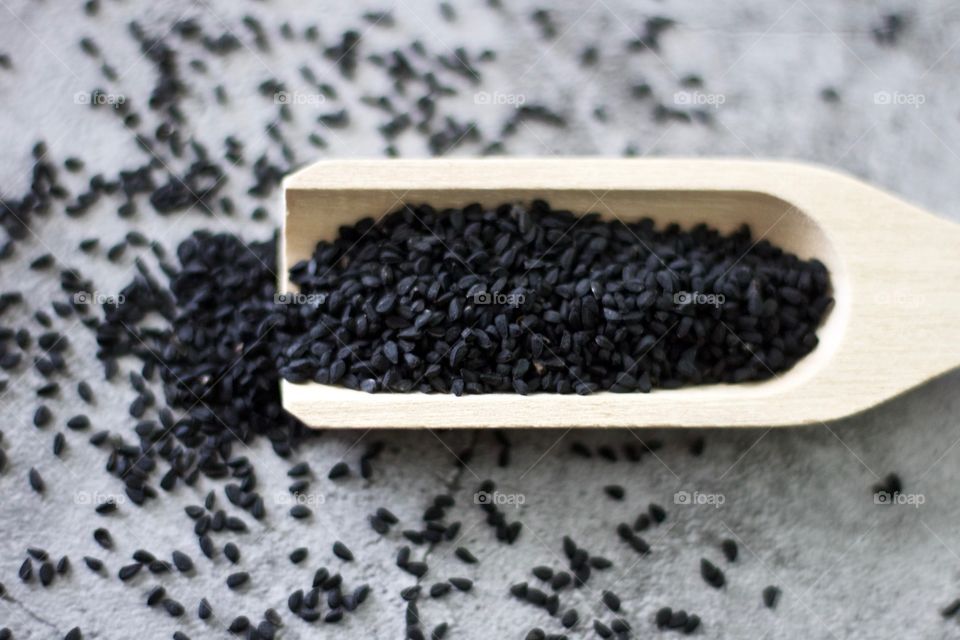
798 501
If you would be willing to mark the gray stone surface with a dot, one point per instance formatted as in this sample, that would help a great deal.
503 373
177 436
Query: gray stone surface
798 501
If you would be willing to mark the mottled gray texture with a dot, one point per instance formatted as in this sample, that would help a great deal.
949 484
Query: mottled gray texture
797 500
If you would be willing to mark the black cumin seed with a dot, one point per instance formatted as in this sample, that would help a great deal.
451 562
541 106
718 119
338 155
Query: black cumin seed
341 551
462 584
439 589
232 552
298 555
26 571
240 623
711 574
570 618
74 634
36 480
182 561
173 608
93 564
204 610
339 470
602 630
300 511
729 548
237 580
129 571
615 491
155 596
464 554
46 573
37 553
771 595
103 538
657 513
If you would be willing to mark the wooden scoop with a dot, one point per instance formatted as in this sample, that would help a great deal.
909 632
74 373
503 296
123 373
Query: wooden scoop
895 271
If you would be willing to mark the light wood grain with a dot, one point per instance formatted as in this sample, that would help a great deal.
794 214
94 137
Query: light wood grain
895 271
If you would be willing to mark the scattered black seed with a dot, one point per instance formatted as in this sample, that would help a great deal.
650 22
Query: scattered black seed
615 491
103 538
729 548
341 551
439 589
182 562
657 513
156 596
46 573
298 555
36 480
174 609
771 595
711 574
93 564
237 580
129 571
74 634
339 470
300 511
232 552
204 610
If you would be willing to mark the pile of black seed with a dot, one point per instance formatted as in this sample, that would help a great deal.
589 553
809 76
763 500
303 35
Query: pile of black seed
525 299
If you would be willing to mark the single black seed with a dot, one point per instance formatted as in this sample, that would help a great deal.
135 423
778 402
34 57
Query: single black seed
615 491
298 555
26 571
129 571
611 600
711 574
46 573
93 564
300 511
570 618
341 551
156 596
339 470
462 584
729 548
240 623
182 561
439 589
103 538
204 610
36 480
237 580
174 609
657 513
232 552
74 634
771 595
464 554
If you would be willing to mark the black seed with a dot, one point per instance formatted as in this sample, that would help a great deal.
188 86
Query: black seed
657 513
771 595
462 584
204 610
300 511
464 554
615 491
729 548
94 565
26 571
74 634
232 552
339 470
63 565
240 623
36 480
711 574
42 416
156 596
102 536
439 589
611 600
236 580
298 555
174 609
129 571
341 551
182 561
570 618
